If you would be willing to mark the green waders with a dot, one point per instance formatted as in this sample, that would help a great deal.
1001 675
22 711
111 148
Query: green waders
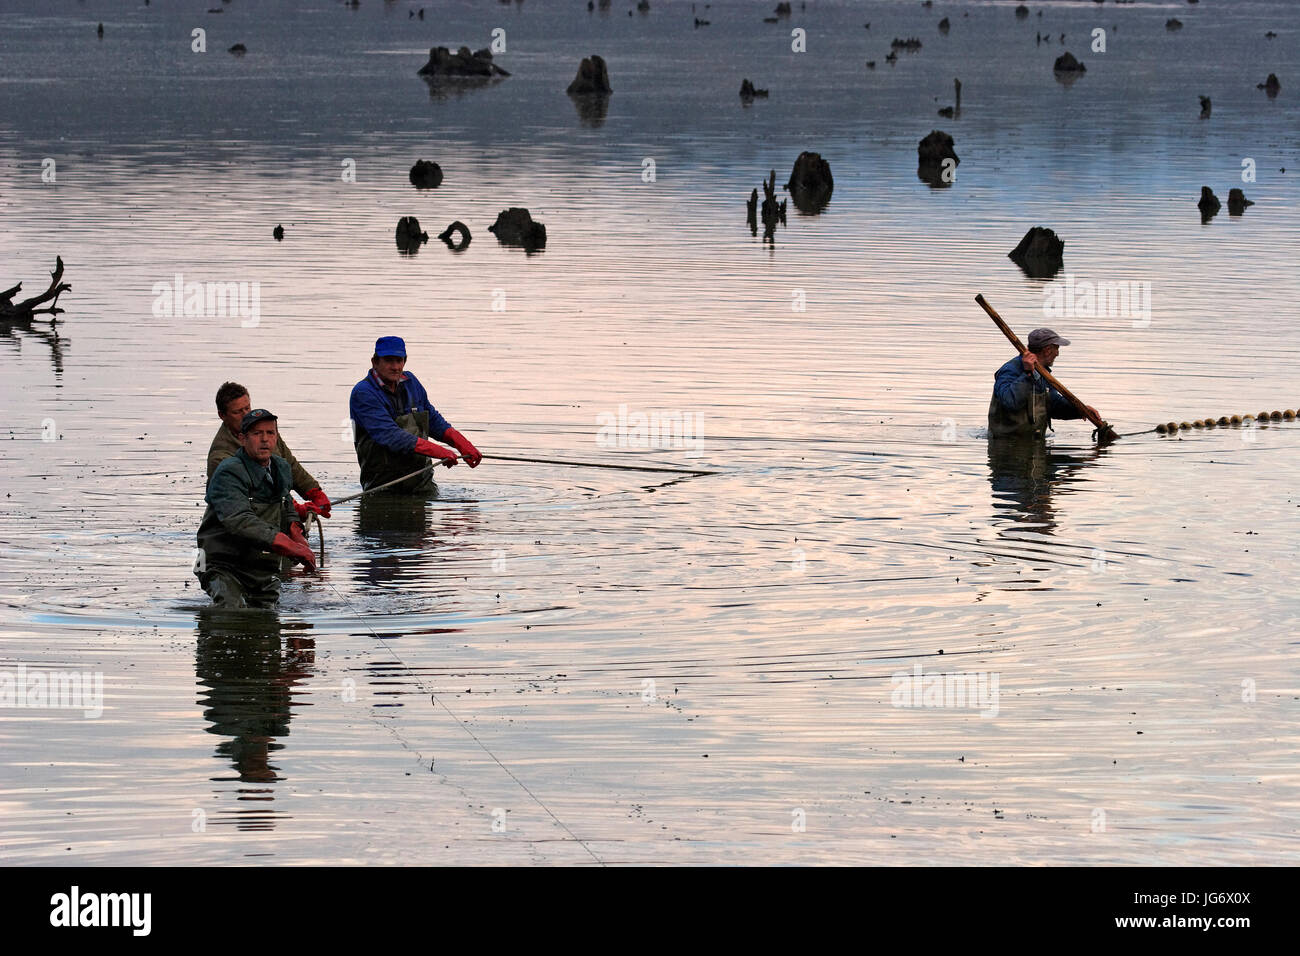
237 570
379 465
1029 421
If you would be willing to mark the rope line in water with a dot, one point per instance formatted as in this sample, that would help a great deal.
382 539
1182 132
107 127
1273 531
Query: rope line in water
439 702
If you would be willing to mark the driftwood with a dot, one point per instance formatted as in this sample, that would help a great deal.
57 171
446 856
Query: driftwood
26 310
772 212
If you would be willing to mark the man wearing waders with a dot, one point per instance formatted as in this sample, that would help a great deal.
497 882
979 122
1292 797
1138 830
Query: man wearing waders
392 421
250 521
1023 405
233 404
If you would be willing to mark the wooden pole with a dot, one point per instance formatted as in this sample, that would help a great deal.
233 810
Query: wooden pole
1104 431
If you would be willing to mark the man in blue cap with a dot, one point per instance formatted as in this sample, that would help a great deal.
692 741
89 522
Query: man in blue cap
1023 404
392 421
250 521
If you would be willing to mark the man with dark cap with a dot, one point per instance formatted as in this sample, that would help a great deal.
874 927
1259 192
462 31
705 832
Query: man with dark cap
250 520
1023 404
233 403
392 421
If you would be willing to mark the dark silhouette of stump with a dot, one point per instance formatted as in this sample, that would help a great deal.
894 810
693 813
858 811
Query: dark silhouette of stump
26 310
426 175
1237 202
1039 254
457 228
592 78
409 236
810 184
443 64
1209 204
936 160
516 227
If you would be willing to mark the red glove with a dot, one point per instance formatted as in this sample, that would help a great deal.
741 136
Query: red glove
303 509
296 550
319 499
425 447
463 445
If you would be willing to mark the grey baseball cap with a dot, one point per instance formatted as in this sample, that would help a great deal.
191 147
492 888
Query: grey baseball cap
1041 338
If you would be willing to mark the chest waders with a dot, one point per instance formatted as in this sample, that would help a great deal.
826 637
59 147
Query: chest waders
234 571
380 465
1030 420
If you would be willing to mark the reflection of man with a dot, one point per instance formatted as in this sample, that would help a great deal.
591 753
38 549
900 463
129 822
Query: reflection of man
392 421
1023 404
250 519
233 403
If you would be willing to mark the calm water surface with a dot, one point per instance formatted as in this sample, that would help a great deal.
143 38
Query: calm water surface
681 670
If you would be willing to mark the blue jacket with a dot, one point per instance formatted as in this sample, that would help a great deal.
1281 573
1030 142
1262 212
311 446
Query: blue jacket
1023 403
374 409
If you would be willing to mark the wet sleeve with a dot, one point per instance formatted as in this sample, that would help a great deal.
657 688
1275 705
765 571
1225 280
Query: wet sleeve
369 412
302 481
228 495
1012 388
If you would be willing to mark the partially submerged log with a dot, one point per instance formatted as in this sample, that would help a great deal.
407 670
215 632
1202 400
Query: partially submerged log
516 227
592 78
426 175
810 184
936 159
409 236
443 64
773 212
1067 65
1039 254
457 228
26 310
1209 204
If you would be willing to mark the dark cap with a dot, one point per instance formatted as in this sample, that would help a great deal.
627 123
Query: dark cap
1040 339
255 416
390 345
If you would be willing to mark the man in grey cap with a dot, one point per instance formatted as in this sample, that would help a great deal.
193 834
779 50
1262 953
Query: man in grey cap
250 521
1023 404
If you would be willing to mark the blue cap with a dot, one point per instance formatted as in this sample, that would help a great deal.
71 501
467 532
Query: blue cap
390 345
255 416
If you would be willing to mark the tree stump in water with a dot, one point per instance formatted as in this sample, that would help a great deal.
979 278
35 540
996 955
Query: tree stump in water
772 212
27 310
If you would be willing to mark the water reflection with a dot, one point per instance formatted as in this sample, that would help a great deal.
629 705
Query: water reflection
404 536
592 108
9 329
249 673
1026 473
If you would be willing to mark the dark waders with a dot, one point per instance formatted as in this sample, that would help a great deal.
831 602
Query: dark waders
379 465
1029 421
232 572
